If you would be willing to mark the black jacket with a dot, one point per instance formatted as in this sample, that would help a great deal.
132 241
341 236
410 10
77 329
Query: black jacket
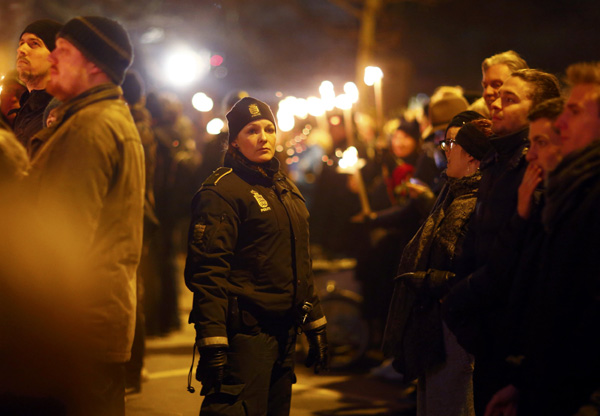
466 310
562 359
29 119
502 172
249 239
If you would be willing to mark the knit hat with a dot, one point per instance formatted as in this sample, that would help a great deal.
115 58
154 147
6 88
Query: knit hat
103 41
246 110
133 87
46 30
411 128
463 118
473 141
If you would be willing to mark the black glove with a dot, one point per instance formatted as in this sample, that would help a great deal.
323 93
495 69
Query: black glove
318 350
437 283
211 367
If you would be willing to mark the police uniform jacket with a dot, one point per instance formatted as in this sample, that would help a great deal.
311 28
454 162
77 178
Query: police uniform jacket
249 239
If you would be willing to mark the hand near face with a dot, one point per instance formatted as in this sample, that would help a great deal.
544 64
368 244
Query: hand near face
531 179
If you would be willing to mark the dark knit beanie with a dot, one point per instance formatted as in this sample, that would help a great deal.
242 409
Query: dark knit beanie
473 141
411 128
463 118
103 41
246 110
133 87
46 30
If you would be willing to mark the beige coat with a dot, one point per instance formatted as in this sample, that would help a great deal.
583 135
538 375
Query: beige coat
87 180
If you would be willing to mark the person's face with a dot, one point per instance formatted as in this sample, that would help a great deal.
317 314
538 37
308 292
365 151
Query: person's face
402 144
256 141
509 111
579 123
458 159
545 147
492 80
69 71
9 98
32 59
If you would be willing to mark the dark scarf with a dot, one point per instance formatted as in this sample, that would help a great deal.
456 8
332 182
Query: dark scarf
453 207
263 173
570 182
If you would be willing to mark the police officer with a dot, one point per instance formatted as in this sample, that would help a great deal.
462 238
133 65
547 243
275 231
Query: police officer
249 268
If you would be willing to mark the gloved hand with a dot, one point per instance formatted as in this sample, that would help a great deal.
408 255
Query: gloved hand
440 282
318 350
437 283
211 367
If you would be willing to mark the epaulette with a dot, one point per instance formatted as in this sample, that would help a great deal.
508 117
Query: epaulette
216 176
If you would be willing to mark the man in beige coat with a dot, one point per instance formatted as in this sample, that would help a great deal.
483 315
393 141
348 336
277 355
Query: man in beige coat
87 180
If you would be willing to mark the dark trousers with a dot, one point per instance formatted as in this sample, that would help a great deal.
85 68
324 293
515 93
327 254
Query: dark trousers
260 374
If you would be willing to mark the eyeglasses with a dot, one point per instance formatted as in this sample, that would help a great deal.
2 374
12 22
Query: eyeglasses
447 144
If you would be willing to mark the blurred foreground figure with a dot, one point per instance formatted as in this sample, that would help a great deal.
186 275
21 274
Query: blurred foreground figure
249 268
88 182
12 90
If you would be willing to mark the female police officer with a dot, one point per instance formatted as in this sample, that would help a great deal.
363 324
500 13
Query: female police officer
249 268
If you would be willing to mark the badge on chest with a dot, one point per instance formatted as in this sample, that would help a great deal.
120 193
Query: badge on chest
262 202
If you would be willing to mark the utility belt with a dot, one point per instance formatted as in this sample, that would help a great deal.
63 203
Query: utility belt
248 319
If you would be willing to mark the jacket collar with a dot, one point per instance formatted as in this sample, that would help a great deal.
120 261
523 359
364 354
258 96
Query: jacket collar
101 92
35 100
264 174
512 147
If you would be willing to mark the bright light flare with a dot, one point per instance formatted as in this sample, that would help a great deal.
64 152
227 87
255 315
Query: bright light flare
343 102
183 66
351 91
315 106
350 162
372 75
327 95
301 108
285 120
215 126
202 102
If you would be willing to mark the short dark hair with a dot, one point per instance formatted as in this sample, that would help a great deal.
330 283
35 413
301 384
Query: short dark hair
549 109
544 85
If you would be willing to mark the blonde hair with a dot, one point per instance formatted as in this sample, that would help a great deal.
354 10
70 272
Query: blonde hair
510 58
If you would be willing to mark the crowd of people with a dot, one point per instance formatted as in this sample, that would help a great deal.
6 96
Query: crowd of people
473 225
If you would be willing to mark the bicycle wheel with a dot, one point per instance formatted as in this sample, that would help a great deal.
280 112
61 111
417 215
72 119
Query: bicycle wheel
347 331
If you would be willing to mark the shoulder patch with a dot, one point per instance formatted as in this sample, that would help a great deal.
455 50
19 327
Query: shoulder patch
216 176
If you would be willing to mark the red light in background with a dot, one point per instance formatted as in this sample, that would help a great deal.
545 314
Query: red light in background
216 60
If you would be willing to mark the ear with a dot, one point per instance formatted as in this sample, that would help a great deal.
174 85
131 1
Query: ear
92 68
234 144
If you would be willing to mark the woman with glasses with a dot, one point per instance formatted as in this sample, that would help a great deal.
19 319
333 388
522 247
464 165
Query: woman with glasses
415 335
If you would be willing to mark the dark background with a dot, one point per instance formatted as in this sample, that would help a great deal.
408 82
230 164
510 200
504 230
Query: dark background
292 45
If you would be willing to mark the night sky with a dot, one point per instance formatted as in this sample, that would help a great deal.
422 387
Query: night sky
293 45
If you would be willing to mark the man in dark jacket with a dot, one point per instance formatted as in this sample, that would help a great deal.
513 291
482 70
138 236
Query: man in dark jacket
35 45
502 171
561 362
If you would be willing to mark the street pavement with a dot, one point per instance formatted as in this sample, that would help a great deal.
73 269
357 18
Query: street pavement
350 392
